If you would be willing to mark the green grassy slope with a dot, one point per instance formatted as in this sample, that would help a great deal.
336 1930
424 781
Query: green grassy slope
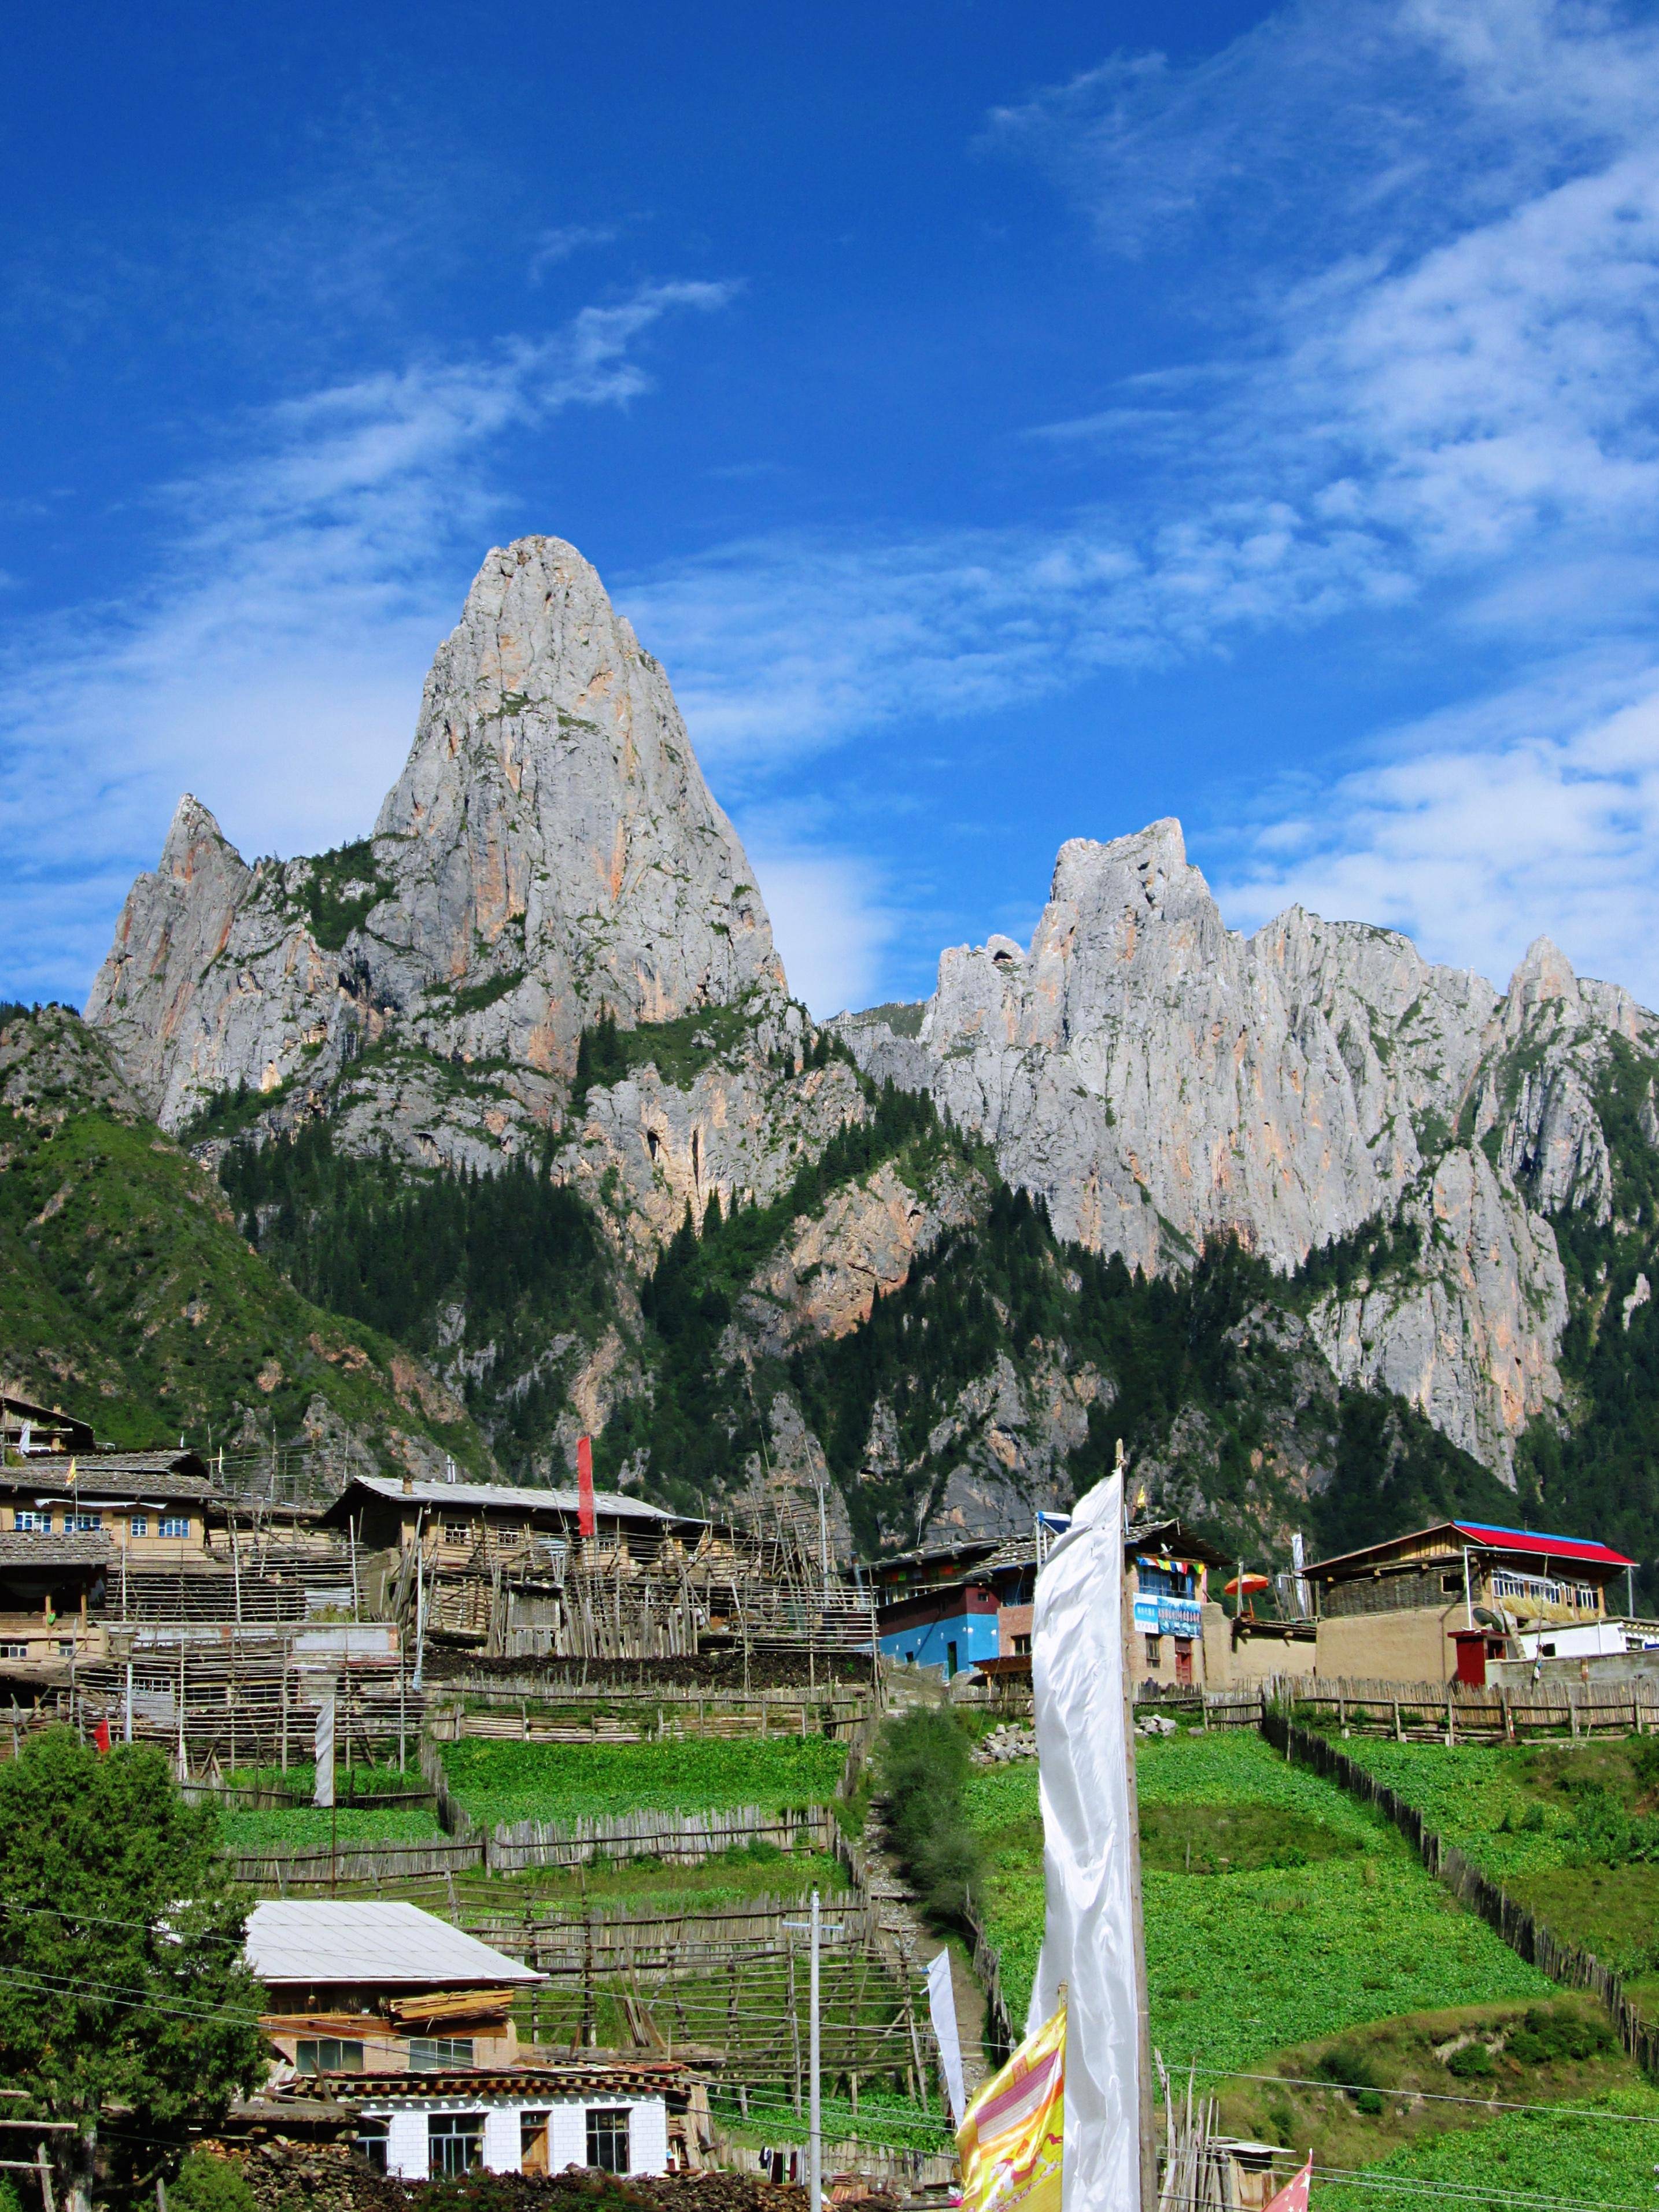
127 1294
1243 1963
1572 1832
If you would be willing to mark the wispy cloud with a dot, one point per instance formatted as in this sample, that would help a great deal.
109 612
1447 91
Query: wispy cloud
1476 830
274 663
1419 240
558 244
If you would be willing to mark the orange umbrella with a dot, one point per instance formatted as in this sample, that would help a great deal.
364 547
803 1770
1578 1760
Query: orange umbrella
1244 1585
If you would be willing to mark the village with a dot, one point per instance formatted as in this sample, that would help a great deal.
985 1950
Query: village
462 1977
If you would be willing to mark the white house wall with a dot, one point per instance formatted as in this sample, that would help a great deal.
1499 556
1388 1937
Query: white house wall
407 2150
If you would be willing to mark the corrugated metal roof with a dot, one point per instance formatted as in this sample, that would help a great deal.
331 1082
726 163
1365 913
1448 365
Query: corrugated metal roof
519 1496
1486 1536
329 1940
1582 1548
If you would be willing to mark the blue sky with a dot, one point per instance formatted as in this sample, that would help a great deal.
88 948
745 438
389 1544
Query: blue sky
1007 423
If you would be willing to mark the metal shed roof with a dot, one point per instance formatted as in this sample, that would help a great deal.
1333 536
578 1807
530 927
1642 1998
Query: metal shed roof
329 1940
1481 1536
522 1498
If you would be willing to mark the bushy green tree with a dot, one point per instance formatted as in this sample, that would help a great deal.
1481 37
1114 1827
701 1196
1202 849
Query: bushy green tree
923 1763
207 2184
126 2006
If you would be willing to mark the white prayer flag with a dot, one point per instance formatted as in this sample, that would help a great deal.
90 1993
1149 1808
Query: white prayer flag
1089 1934
942 2010
323 1794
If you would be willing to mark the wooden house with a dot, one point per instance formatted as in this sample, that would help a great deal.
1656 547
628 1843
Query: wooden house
408 2021
1440 1602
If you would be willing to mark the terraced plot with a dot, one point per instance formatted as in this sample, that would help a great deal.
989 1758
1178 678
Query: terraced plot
495 1783
1319 1919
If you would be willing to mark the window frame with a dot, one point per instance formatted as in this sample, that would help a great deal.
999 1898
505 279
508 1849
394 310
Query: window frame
598 2133
438 2054
174 1524
444 2129
371 2141
318 2045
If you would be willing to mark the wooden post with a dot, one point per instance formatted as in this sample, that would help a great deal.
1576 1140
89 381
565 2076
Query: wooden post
1399 1732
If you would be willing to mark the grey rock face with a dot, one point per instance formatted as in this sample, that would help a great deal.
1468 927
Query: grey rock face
1469 1335
1161 1081
1156 1078
550 852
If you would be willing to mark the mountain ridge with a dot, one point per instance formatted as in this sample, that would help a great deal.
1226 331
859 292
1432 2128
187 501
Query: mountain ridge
744 1258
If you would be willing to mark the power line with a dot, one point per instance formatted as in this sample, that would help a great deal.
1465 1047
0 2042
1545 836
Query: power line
1430 2096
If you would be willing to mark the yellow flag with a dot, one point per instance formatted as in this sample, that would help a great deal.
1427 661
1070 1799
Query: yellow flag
1011 2139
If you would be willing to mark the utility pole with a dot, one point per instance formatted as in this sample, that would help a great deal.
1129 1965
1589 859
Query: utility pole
818 1931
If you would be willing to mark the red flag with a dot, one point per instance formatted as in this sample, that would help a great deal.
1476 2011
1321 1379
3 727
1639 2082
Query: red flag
1293 2197
100 1735
586 1524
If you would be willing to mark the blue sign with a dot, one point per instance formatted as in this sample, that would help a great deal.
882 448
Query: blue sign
1169 1616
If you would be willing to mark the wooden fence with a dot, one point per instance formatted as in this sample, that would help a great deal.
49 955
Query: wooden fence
1565 1963
1239 1708
524 1720
678 1839
1457 1712
878 2162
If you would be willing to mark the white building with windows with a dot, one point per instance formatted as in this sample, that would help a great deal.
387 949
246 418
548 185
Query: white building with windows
410 2022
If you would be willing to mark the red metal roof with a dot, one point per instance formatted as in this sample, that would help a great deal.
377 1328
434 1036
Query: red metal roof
1487 1536
1492 1539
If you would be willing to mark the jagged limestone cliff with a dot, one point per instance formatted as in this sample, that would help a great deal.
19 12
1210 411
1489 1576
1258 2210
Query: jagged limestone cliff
1325 1231
1161 1081
549 852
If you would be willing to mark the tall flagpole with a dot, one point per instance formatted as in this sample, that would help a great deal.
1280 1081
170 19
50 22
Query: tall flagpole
1143 2024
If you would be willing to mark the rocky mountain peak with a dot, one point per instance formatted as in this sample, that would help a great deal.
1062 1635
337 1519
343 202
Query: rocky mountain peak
551 853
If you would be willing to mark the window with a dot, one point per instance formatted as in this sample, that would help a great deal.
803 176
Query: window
37 1524
1022 1647
328 2054
533 2142
457 1532
175 1525
430 2054
14 1650
82 1523
1154 1649
454 2143
607 2138
66 1647
371 2143
138 1525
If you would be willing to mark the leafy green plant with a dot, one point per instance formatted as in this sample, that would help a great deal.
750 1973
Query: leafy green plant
208 2184
503 1782
922 1768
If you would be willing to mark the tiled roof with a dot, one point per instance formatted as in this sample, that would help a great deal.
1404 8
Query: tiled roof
20 1548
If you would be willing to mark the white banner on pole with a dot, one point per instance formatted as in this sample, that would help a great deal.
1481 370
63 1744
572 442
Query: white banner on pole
323 1794
1089 1934
942 2011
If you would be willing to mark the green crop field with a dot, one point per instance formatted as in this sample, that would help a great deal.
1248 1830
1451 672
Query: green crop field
1317 1918
305 1828
501 1782
1569 1829
1528 2159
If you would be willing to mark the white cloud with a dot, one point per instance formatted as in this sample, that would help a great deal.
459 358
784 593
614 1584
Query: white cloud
558 244
1475 831
274 666
831 922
